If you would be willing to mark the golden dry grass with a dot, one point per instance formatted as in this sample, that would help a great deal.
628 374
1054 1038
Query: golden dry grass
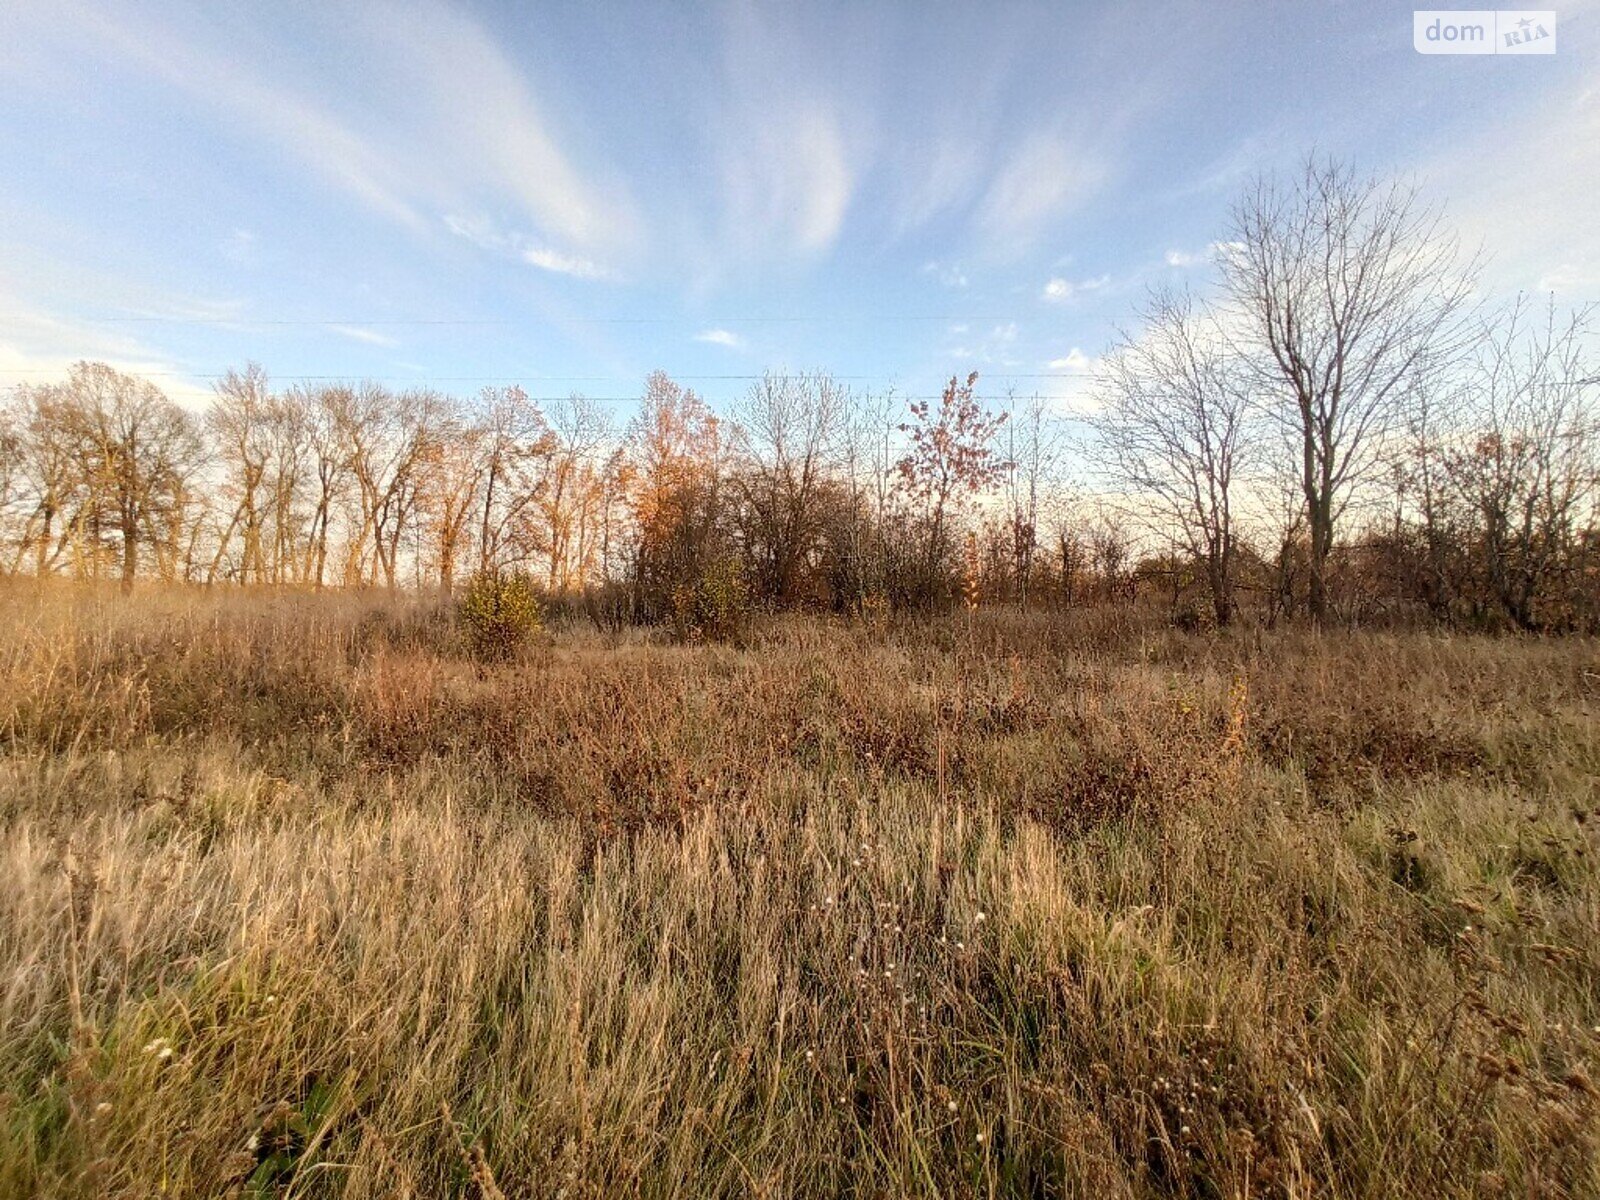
296 899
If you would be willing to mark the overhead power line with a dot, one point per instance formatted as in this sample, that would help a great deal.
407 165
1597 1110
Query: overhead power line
510 378
328 322
414 378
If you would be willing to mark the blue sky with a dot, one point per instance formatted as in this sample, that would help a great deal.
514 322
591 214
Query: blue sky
569 195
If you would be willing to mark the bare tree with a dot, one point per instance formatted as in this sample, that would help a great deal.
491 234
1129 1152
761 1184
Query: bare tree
321 414
290 426
1031 444
1350 290
516 438
12 485
1111 553
415 430
580 431
677 448
786 433
133 451
1072 555
1172 428
1524 478
47 477
360 416
451 487
388 440
239 421
868 455
1427 529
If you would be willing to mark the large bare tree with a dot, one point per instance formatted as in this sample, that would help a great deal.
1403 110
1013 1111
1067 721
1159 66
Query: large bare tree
451 487
569 502
418 423
13 494
516 446
677 452
1172 428
240 423
48 484
320 416
1350 289
786 434
130 452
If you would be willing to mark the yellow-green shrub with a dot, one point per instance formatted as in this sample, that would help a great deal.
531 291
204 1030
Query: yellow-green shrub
714 605
499 613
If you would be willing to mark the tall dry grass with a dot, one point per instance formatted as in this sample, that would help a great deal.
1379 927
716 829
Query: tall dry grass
297 899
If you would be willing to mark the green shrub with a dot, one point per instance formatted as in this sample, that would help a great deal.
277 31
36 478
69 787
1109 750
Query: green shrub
499 613
712 607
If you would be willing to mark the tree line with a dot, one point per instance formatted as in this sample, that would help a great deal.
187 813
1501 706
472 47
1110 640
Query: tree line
1341 427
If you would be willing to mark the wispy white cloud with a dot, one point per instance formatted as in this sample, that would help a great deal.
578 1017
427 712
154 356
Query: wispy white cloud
557 263
1075 361
1059 290
787 145
1246 157
949 274
480 232
1184 259
1517 189
934 179
370 337
484 234
788 182
239 247
439 114
298 125
1044 178
448 123
40 281
720 337
474 107
1570 280
39 346
996 348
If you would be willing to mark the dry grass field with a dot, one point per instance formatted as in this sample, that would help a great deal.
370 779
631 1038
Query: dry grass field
298 899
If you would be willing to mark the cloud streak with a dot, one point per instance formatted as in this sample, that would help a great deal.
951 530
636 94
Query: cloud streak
1525 208
1065 291
1075 362
369 337
483 234
445 123
39 346
1044 178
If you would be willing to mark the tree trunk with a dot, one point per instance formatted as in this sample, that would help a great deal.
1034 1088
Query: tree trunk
130 551
42 562
1321 544
1221 589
